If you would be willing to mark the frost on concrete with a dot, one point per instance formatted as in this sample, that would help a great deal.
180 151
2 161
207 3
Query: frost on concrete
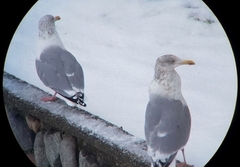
117 43
97 132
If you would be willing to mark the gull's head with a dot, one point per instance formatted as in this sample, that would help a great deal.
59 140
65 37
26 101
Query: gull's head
47 23
47 32
169 62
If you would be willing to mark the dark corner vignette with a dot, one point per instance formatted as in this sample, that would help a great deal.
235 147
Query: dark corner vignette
13 155
226 12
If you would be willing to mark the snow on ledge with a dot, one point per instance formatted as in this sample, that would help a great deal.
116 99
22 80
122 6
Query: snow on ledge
95 131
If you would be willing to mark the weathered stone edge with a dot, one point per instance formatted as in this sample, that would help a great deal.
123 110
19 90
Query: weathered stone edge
16 95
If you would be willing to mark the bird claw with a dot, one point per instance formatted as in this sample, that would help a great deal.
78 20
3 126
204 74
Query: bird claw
183 164
46 99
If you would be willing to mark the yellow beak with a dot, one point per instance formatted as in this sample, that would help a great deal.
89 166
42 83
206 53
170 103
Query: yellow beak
57 18
187 62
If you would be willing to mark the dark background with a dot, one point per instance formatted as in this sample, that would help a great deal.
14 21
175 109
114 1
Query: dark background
12 12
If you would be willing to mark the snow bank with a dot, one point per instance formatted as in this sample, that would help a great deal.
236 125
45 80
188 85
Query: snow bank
96 132
117 43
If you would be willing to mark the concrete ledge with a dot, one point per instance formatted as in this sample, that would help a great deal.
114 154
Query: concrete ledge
117 147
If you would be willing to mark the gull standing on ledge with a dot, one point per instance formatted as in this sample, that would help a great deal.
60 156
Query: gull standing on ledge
57 68
167 119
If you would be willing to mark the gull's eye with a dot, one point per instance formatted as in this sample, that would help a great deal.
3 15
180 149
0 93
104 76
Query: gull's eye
171 61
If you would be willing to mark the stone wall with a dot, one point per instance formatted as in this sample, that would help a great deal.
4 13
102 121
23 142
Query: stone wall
54 134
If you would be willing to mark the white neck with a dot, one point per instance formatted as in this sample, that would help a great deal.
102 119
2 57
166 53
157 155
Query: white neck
48 38
167 84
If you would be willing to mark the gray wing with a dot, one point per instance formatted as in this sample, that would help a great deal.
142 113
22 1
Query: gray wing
59 70
167 125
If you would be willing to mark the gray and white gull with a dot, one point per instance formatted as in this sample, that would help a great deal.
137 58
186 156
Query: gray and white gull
167 118
57 68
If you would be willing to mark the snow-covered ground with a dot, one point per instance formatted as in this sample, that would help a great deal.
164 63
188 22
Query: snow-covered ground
117 43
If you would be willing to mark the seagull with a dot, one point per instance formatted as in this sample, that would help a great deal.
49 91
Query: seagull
57 68
167 118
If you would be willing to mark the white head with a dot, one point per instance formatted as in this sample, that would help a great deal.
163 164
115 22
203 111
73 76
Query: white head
168 63
47 33
47 23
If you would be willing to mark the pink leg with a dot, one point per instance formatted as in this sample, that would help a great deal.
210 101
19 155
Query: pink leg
184 164
184 156
53 98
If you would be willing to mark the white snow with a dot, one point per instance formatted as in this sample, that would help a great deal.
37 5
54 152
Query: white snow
117 43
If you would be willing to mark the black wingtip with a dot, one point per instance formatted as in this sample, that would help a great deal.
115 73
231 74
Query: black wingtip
159 163
80 97
77 98
81 102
